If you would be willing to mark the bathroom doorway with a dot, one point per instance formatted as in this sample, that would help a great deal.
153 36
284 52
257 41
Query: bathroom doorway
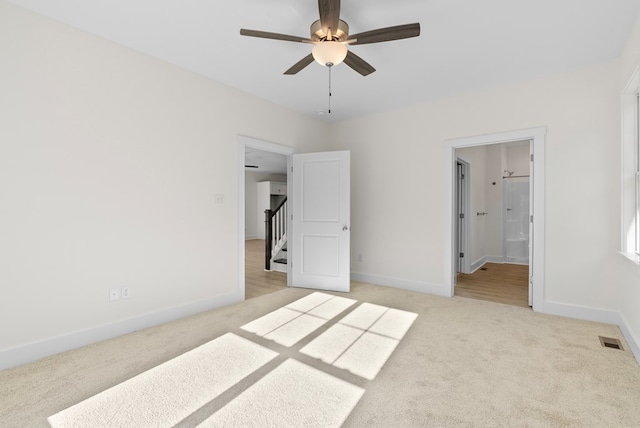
491 164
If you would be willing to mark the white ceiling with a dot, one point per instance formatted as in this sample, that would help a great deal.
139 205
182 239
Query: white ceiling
266 162
465 45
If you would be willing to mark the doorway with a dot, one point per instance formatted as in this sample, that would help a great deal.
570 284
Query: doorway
258 162
493 222
535 223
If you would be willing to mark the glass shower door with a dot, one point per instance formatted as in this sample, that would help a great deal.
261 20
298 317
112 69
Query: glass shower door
516 220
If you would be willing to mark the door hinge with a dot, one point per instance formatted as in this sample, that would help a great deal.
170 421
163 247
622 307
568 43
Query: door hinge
531 218
461 255
461 215
291 169
531 157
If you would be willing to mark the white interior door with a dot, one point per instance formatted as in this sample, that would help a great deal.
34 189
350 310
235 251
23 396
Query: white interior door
462 221
321 236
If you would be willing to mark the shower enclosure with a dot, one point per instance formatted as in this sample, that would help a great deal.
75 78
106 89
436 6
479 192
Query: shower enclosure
516 219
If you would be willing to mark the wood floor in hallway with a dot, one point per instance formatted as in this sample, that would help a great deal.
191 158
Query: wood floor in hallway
257 280
495 282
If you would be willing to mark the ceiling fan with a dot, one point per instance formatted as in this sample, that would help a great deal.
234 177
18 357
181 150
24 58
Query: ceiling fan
330 35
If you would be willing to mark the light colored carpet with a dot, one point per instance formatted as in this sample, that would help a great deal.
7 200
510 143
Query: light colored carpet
172 391
293 395
461 362
362 341
293 322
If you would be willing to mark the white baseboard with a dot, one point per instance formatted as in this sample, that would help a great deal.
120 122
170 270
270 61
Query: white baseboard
478 264
581 312
495 259
13 357
250 237
630 337
486 259
405 284
597 315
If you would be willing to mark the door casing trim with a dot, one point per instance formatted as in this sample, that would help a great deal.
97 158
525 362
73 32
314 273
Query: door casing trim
537 136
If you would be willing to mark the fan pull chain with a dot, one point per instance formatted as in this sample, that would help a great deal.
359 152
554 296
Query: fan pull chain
330 89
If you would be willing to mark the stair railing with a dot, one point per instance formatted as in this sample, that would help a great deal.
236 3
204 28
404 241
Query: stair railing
275 232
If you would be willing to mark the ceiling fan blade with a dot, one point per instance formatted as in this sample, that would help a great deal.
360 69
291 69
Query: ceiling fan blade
358 64
300 65
329 15
274 36
386 34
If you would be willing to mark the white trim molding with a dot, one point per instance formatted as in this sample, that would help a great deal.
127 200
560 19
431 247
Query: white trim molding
632 339
34 351
582 312
478 264
537 137
404 284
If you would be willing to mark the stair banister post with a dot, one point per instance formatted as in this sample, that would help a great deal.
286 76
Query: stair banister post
268 237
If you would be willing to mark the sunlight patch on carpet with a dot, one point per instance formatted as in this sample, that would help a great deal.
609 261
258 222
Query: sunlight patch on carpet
292 395
362 341
293 322
292 332
168 393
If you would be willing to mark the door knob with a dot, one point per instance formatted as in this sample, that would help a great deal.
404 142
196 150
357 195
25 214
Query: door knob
345 228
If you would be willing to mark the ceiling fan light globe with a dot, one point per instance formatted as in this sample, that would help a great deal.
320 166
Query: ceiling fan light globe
329 53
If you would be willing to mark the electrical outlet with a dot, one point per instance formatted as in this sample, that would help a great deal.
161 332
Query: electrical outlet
360 258
124 292
114 294
219 199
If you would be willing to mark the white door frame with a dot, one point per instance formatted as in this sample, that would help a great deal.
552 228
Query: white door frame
243 143
537 136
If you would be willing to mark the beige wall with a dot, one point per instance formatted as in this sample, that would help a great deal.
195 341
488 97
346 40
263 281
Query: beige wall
493 222
109 162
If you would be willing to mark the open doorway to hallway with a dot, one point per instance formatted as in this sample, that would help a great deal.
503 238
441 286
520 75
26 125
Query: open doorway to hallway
263 240
493 227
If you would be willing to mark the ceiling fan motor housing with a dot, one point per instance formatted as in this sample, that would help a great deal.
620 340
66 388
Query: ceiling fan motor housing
318 35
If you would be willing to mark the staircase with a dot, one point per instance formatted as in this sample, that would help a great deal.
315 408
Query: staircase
275 223
279 261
